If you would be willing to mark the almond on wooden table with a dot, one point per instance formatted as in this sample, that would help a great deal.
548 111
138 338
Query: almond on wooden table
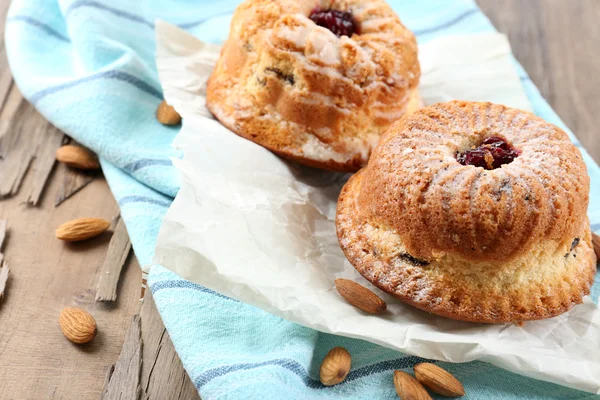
77 157
408 388
81 229
335 366
77 325
167 115
438 380
359 296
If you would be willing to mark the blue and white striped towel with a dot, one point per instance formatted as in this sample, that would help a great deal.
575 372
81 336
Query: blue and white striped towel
88 66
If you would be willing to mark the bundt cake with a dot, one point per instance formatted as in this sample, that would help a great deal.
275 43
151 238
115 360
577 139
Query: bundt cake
317 81
472 211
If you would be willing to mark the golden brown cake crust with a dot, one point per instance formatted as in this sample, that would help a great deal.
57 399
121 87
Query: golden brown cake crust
548 281
415 186
503 245
306 94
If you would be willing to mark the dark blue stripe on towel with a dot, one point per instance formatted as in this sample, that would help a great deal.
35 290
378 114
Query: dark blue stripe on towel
118 75
143 199
46 28
297 369
147 162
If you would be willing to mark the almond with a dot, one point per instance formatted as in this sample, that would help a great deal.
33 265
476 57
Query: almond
408 388
335 366
596 245
77 325
81 229
438 380
77 157
167 115
359 296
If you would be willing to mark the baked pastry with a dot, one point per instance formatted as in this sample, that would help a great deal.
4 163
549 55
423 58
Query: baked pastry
472 211
316 81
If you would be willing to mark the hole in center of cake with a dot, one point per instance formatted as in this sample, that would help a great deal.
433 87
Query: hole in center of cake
341 23
492 153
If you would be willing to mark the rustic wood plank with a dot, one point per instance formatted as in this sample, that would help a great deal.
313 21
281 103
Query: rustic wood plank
13 167
13 100
118 250
3 224
6 81
3 277
36 361
73 180
27 142
124 380
50 140
159 356
46 275
161 376
6 84
52 276
107 378
557 42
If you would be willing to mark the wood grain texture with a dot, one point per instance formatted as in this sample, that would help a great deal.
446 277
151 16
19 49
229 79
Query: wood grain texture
156 373
27 143
123 382
3 266
4 271
3 225
72 180
118 250
6 81
43 163
162 374
558 43
36 361
47 275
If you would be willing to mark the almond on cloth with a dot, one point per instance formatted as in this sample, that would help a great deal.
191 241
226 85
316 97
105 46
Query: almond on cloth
77 325
360 297
438 380
596 245
77 157
335 366
81 229
167 115
408 388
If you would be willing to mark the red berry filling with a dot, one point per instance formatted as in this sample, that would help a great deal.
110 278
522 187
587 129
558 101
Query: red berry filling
491 154
340 23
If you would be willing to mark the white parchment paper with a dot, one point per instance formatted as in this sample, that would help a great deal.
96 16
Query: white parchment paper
261 230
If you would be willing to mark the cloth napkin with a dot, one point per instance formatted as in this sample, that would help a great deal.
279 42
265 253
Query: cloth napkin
88 66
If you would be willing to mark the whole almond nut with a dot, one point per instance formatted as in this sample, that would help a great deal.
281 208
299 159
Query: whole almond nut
167 115
359 296
77 325
335 366
408 388
77 157
596 245
81 229
438 380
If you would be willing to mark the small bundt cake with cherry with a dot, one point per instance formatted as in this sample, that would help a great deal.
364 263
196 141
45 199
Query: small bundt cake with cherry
472 211
316 81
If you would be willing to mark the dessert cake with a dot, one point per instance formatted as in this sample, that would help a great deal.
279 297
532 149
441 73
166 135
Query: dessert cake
316 81
472 211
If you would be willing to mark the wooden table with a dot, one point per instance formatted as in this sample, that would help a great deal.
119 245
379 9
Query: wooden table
556 41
